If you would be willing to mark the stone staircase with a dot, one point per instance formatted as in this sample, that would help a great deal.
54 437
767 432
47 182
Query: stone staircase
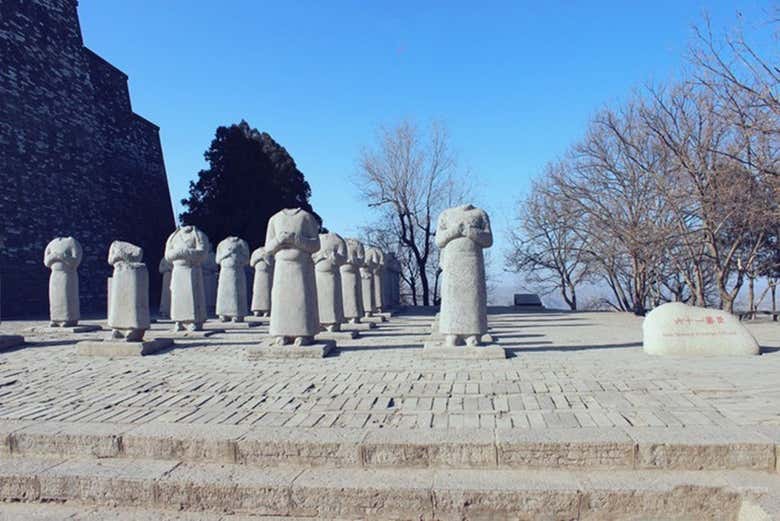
59 471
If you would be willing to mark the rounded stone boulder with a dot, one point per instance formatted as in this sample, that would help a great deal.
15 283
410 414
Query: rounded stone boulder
677 329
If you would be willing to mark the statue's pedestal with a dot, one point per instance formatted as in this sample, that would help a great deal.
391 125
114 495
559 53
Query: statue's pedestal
319 349
436 350
337 335
10 341
119 348
387 315
360 326
203 333
376 319
246 324
78 328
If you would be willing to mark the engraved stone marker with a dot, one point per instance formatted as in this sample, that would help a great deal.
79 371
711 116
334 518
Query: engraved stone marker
677 329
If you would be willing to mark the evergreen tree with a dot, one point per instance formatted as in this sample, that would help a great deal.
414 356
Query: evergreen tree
250 178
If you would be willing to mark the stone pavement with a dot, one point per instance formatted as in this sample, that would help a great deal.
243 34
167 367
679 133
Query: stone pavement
577 424
566 370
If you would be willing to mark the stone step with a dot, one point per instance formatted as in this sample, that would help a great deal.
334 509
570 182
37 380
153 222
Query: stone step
331 493
77 511
591 449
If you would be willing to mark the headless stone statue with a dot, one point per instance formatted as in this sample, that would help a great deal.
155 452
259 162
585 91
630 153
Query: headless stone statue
263 263
63 256
165 268
351 283
462 233
210 280
186 249
377 264
367 283
232 257
392 282
327 263
292 238
128 315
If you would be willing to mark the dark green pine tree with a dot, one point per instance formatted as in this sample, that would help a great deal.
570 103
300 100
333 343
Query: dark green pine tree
250 178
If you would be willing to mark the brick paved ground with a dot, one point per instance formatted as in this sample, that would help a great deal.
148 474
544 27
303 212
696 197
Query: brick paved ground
567 370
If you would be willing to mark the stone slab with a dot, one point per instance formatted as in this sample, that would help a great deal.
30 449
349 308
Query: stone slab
320 349
246 324
203 333
586 448
119 348
80 328
10 341
375 319
436 351
337 335
698 448
360 326
471 448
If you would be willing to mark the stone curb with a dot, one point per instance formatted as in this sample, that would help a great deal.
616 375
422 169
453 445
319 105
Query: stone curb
603 448
386 493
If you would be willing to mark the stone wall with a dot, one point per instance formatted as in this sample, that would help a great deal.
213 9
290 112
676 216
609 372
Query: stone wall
74 158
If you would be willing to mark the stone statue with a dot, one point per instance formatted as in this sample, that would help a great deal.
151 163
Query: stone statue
63 256
392 282
367 283
263 263
210 280
128 315
327 265
165 268
187 249
292 238
351 285
377 262
232 257
462 233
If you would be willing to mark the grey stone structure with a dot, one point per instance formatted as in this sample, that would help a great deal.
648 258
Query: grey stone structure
76 160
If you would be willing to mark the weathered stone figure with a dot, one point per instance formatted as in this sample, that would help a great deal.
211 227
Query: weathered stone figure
187 248
377 263
327 264
165 268
367 283
351 283
128 315
232 257
210 280
63 256
392 280
462 233
263 263
292 238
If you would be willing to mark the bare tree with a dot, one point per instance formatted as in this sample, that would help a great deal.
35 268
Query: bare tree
722 201
544 246
410 176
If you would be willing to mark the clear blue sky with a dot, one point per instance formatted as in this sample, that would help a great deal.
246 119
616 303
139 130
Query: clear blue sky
515 82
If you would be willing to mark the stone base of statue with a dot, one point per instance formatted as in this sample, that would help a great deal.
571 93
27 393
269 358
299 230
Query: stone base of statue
376 319
337 335
10 341
78 328
438 350
244 324
358 326
117 348
199 333
387 315
270 349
